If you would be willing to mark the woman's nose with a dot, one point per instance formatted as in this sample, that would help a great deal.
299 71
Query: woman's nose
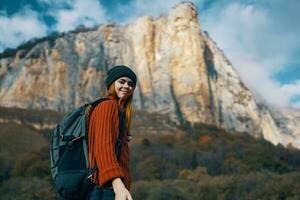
126 85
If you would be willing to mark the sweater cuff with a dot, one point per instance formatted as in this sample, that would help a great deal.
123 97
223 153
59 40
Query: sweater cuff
108 175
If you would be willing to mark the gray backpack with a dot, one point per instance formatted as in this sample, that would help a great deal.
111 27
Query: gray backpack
69 153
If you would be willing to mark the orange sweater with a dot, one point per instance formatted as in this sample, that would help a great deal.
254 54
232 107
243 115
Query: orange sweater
103 135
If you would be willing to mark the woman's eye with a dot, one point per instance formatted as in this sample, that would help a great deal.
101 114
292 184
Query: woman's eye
129 83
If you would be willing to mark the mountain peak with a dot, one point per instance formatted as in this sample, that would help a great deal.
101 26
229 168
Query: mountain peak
185 10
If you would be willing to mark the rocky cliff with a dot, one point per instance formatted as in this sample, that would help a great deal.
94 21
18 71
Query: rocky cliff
181 72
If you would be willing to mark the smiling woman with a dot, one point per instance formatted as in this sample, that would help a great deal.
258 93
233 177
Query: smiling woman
109 120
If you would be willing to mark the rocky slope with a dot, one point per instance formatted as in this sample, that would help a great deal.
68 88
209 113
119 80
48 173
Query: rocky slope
181 71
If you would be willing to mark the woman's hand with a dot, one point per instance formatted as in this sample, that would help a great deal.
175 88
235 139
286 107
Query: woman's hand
120 190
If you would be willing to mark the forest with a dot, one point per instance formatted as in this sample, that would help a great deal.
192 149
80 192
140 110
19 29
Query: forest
202 163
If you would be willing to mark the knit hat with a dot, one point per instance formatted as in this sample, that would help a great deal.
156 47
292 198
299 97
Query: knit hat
117 72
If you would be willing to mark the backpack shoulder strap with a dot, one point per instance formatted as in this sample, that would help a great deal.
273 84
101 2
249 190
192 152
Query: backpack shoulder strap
122 126
97 101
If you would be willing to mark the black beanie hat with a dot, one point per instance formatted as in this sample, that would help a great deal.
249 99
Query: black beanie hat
117 72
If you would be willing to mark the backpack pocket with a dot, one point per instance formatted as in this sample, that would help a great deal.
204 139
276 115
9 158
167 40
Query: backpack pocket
72 184
72 157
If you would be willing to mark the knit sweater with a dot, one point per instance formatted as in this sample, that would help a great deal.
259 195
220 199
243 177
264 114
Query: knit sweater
103 136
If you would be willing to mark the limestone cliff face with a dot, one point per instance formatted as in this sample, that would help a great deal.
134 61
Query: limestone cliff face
181 72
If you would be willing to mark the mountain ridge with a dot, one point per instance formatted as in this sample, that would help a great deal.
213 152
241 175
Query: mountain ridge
182 73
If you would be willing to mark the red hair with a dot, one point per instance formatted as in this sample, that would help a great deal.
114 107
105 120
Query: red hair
124 104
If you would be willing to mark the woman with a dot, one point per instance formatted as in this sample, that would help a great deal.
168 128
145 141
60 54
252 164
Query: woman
112 179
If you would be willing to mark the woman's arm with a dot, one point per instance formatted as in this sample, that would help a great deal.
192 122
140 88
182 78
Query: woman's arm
102 142
120 190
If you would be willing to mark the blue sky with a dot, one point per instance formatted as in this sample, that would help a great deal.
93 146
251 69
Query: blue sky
261 38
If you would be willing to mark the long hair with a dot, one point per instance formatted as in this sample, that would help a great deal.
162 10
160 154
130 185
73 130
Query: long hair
125 104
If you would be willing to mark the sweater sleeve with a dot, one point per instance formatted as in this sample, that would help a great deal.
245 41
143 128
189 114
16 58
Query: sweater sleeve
105 126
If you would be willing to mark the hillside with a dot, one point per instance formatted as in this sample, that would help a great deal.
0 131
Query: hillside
170 163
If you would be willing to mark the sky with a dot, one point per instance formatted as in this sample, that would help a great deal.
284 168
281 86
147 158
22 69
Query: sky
261 38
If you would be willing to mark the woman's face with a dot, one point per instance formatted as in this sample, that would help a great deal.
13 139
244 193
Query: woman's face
124 87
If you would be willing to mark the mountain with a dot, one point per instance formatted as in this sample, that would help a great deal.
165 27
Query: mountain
181 73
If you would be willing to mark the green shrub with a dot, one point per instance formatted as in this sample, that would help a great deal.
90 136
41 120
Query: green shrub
166 192
27 188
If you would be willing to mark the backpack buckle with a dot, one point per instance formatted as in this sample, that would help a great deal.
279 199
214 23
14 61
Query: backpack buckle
76 138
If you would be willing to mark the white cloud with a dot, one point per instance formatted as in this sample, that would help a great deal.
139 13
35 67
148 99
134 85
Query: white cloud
79 12
292 89
297 105
68 14
55 4
259 43
20 27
